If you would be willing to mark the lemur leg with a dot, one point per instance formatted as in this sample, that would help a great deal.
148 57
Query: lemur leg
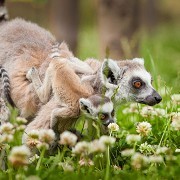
60 115
77 65
43 90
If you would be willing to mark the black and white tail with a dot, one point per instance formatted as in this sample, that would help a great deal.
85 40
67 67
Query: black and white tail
6 85
3 12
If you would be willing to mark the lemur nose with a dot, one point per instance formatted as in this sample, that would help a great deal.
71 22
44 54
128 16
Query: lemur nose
158 98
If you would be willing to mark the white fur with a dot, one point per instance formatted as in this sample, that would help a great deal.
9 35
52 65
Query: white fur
139 60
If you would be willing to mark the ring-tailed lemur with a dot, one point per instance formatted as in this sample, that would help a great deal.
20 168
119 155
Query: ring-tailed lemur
24 45
95 107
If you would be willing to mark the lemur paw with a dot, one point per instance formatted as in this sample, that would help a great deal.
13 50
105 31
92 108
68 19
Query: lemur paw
32 72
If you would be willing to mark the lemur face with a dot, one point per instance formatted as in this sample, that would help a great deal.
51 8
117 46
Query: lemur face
98 107
131 81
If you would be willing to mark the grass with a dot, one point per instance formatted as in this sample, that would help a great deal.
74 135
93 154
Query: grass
160 49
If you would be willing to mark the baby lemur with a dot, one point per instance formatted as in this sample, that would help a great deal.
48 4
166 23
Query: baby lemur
70 95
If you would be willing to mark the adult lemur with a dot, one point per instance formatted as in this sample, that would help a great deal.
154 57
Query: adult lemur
24 45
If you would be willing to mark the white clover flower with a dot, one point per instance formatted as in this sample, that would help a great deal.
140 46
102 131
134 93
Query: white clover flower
86 162
33 158
82 148
6 138
68 138
132 138
7 128
42 145
113 127
46 135
138 161
176 99
67 167
107 140
155 159
147 111
21 120
133 108
127 152
162 150
160 112
144 128
21 127
19 156
176 121
117 168
177 150
146 148
97 146
32 139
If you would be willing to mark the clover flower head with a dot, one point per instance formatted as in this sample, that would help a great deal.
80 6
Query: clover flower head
144 128
68 138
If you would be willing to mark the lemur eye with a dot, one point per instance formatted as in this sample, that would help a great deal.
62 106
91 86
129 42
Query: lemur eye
102 116
112 113
137 84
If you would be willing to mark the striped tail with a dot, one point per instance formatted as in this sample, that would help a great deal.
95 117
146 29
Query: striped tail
4 16
6 86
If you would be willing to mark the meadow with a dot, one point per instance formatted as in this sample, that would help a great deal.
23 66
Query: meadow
144 144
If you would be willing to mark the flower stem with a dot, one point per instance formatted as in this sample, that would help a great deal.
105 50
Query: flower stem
107 164
40 159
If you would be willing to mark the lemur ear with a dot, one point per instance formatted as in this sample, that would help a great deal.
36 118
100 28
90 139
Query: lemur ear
139 61
110 73
85 105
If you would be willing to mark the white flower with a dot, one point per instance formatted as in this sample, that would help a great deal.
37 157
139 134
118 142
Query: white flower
133 108
33 158
176 121
127 152
160 112
21 127
138 161
113 127
107 140
67 167
177 150
176 98
147 111
32 139
86 162
97 146
21 120
68 138
46 135
82 148
155 159
144 128
132 138
42 145
6 138
146 148
162 150
7 128
19 155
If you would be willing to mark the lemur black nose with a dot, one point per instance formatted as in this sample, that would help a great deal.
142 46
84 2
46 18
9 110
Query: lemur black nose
158 98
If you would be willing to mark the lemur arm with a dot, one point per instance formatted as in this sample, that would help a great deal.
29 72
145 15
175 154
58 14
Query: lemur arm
43 90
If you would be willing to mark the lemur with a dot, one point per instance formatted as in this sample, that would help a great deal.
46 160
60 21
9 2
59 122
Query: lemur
63 109
3 12
24 45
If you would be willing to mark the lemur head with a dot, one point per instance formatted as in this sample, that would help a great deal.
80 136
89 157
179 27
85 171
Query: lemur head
130 80
98 107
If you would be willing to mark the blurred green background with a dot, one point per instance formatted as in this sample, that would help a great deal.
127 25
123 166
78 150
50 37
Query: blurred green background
139 28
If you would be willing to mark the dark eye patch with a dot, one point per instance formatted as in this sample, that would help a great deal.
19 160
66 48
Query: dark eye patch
137 79
103 116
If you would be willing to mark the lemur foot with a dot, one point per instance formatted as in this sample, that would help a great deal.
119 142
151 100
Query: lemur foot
31 73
